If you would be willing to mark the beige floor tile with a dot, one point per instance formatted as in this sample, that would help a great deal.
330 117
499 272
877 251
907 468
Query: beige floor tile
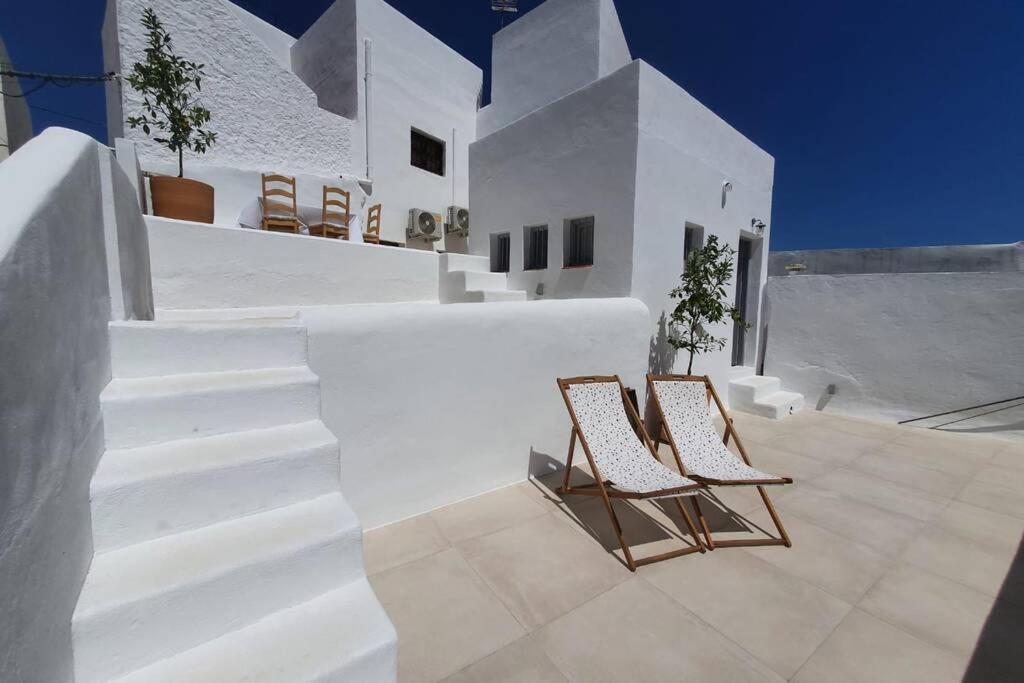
1010 456
996 657
768 612
944 613
487 513
445 616
825 445
524 661
873 429
961 445
917 451
883 493
973 546
844 568
541 569
396 544
866 649
886 532
1006 476
910 474
995 497
635 633
785 464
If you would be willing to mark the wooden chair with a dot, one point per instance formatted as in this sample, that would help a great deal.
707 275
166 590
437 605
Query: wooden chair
335 215
282 216
372 233
682 402
597 406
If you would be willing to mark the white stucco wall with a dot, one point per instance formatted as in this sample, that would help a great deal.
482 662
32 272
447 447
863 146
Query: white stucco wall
898 346
54 346
265 116
556 48
685 152
203 266
15 119
432 404
418 82
573 158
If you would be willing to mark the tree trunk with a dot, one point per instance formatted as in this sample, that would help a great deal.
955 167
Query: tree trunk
181 163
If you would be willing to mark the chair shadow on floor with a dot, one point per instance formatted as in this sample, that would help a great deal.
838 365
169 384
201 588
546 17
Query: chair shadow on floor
996 655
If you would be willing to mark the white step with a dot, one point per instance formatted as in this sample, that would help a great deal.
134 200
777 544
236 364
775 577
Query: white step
343 635
264 313
139 494
143 411
494 296
779 405
154 600
477 264
740 371
473 281
753 388
143 349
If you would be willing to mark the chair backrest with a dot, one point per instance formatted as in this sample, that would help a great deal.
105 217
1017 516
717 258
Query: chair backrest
598 406
373 221
275 185
336 207
684 404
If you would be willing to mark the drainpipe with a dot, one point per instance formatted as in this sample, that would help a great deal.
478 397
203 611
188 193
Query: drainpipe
369 107
453 166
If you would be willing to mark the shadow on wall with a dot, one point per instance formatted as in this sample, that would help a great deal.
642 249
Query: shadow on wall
662 356
996 656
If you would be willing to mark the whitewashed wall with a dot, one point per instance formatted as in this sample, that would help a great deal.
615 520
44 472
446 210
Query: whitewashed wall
433 404
418 82
898 346
54 350
15 119
204 266
265 116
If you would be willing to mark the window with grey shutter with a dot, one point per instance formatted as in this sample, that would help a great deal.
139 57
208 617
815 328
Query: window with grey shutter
500 249
579 242
535 247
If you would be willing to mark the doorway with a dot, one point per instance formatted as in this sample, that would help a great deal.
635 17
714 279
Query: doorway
739 332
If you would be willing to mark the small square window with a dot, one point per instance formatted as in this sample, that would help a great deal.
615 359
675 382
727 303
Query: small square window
500 250
579 242
535 247
693 239
427 153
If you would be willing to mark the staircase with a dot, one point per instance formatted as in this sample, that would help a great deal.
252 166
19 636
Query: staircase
466 279
761 395
224 550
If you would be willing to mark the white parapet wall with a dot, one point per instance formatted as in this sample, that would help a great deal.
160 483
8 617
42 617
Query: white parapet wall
433 404
897 345
202 266
71 235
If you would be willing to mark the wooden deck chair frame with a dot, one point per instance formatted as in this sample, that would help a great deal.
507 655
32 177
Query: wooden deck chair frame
606 490
281 216
372 233
664 435
331 219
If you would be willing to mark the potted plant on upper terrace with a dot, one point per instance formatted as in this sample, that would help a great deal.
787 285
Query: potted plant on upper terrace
172 116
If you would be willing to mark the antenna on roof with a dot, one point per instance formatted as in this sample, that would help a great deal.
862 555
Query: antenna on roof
503 7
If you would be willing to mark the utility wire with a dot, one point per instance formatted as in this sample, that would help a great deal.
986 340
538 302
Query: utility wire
59 80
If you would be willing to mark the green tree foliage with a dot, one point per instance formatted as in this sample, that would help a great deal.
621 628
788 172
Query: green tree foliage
703 300
169 86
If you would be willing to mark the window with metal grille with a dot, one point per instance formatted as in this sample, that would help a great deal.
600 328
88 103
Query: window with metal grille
427 153
500 250
535 247
693 239
579 242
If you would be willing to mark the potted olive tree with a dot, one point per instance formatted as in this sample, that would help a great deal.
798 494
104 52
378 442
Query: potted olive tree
703 300
172 116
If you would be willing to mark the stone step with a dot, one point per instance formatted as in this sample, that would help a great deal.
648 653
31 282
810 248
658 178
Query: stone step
150 410
343 635
155 600
453 262
143 493
264 313
779 405
479 296
145 349
740 371
472 281
753 388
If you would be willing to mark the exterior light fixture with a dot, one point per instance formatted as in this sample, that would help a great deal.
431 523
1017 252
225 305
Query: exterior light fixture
727 186
757 225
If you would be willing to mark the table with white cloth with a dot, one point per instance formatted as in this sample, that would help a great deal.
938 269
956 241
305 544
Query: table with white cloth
251 217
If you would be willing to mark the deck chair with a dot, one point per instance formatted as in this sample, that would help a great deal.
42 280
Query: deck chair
623 461
281 215
682 402
372 233
335 215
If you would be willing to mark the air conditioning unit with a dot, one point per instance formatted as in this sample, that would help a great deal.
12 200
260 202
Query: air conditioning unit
424 225
458 221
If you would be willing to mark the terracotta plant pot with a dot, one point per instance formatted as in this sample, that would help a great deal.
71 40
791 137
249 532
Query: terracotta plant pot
182 198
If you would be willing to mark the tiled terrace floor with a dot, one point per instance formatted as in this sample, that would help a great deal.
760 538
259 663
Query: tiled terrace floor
900 571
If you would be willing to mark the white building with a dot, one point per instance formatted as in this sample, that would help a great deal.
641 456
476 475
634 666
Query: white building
15 119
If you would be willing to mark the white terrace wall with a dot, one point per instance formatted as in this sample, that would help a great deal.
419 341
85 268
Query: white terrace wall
202 266
418 82
265 116
898 346
67 208
433 404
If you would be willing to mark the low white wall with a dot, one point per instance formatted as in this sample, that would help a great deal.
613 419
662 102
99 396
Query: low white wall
433 404
54 361
208 266
898 346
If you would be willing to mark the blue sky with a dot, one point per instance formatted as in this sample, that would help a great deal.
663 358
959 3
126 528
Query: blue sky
891 122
